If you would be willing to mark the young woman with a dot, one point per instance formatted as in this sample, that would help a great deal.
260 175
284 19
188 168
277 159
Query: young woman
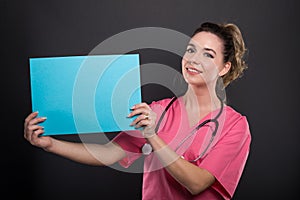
196 146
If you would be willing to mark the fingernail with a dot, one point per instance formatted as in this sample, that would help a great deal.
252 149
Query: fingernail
132 107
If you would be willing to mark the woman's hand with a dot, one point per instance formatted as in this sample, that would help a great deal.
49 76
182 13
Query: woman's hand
146 119
32 131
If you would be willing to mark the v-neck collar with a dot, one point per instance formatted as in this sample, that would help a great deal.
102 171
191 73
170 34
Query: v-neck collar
186 117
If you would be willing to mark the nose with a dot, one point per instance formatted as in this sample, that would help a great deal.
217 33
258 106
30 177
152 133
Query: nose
193 61
191 58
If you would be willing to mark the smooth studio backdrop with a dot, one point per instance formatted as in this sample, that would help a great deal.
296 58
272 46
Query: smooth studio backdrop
267 94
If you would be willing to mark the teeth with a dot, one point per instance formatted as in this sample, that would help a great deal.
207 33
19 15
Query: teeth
192 70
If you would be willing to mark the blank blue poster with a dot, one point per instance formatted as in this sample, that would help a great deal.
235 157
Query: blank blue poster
85 94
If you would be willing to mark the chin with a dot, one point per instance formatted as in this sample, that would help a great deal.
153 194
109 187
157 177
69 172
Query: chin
197 83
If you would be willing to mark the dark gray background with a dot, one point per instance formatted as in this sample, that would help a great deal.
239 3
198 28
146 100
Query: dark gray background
267 94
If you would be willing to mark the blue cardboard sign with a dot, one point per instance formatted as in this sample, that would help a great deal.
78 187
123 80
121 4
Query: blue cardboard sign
85 94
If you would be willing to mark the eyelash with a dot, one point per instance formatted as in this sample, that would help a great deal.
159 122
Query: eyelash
191 50
209 55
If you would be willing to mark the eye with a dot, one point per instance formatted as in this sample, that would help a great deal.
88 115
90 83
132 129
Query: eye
208 55
190 50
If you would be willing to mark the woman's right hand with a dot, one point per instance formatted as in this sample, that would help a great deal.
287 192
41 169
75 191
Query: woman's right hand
32 131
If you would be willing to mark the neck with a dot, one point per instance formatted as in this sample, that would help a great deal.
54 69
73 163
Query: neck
203 98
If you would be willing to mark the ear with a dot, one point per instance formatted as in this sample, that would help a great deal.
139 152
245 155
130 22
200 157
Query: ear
225 69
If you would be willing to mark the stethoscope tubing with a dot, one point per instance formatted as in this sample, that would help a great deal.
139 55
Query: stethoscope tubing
214 120
148 149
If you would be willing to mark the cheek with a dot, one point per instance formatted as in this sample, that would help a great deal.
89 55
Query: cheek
183 62
214 70
212 67
210 72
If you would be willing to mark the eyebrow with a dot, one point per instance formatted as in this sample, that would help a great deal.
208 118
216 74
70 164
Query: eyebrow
206 49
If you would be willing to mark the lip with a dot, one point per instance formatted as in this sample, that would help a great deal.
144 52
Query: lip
193 70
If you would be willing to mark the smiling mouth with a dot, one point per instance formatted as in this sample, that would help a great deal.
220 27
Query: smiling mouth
193 70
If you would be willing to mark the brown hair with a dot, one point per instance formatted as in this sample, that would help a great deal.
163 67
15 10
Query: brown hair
234 47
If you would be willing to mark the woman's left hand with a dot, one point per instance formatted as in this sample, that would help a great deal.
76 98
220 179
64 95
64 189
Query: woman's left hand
146 119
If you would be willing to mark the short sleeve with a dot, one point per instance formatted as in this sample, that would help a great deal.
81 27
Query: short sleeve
131 142
227 159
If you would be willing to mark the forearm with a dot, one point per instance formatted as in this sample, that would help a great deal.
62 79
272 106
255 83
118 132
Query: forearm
190 176
90 154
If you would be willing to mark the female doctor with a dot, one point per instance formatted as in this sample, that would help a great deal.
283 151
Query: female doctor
196 146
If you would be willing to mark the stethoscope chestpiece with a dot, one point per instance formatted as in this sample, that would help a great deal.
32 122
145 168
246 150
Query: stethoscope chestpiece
147 149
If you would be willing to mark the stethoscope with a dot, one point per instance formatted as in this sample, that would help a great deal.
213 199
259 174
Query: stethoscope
147 148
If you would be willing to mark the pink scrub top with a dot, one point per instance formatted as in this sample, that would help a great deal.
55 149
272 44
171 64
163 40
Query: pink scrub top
225 158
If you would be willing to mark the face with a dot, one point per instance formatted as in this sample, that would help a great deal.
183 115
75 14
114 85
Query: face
202 62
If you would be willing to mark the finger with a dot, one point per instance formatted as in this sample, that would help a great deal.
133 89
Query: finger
37 133
141 108
37 120
141 105
30 117
34 133
139 111
138 119
147 117
34 128
30 129
34 136
142 123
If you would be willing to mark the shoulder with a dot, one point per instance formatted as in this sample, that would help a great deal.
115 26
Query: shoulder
162 102
235 119
159 106
233 114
